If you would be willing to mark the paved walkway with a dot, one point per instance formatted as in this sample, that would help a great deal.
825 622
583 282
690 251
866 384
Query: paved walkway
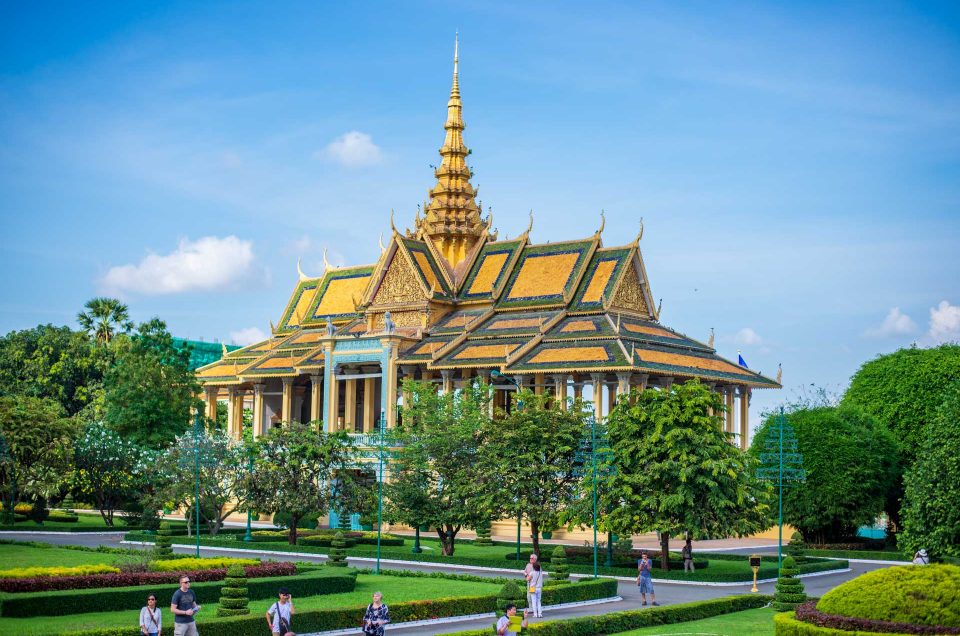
667 593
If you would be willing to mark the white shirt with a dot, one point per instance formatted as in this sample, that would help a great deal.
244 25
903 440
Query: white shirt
148 624
279 609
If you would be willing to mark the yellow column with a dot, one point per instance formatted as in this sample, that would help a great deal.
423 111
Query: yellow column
234 415
597 379
577 387
286 404
211 402
447 380
316 398
744 415
560 389
369 404
258 410
611 397
391 387
350 405
538 384
334 402
729 419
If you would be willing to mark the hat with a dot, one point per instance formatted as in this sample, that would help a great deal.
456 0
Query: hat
923 552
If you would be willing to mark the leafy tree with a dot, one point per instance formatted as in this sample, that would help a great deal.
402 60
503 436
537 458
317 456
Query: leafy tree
676 470
109 470
222 464
299 470
931 506
535 451
850 463
435 477
38 440
104 318
52 362
150 389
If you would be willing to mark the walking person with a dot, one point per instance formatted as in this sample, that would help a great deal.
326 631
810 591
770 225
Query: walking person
645 579
509 624
535 589
184 607
687 554
280 614
376 616
150 619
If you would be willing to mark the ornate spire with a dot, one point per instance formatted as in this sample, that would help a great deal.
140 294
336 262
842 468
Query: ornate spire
452 217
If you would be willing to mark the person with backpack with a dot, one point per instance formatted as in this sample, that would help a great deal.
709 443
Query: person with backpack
280 614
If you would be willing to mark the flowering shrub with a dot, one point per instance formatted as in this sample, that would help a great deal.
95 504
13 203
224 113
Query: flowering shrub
39 572
96 581
179 565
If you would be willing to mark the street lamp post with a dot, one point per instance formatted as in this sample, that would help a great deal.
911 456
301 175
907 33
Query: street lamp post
382 441
196 474
506 378
782 463
248 536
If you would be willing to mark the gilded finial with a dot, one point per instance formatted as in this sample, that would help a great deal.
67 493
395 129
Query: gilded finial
383 248
526 233
326 264
300 271
636 241
659 307
779 373
394 227
223 347
272 328
710 342
456 56
603 223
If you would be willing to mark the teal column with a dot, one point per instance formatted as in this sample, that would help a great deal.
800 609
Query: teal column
385 378
327 381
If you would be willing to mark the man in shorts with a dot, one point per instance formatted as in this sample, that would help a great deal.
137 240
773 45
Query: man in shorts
645 579
184 607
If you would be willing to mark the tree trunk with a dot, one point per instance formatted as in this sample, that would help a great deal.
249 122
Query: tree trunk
292 535
665 550
535 533
448 535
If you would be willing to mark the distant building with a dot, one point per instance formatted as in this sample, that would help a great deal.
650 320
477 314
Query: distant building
203 353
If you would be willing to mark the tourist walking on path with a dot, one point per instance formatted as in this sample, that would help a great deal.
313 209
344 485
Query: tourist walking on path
535 589
687 554
280 614
507 623
150 619
376 616
184 607
645 579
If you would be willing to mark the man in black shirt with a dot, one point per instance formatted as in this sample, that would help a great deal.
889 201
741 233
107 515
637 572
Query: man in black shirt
183 607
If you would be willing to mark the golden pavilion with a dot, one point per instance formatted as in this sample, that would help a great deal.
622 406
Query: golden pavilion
448 302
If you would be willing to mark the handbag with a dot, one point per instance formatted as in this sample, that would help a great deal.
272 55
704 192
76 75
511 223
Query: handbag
533 588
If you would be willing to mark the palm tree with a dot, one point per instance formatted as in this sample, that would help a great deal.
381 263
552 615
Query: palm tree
103 318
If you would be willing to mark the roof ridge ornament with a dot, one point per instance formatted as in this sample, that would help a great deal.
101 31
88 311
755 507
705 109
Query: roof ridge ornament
710 342
300 273
603 224
326 264
383 247
779 373
636 241
526 233
659 307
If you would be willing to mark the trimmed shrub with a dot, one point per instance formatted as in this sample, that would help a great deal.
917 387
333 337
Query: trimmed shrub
796 547
789 588
338 555
483 534
60 603
41 572
161 548
810 617
60 516
616 622
921 595
558 564
233 595
126 579
510 593
180 565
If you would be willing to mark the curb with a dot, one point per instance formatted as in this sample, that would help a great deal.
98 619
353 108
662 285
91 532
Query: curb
464 618
78 533
480 568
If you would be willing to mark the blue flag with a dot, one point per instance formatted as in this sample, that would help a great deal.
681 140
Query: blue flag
741 361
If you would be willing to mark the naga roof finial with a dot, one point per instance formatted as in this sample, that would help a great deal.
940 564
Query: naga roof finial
326 264
223 347
779 373
636 241
526 233
659 307
300 271
383 248
710 342
272 328
603 223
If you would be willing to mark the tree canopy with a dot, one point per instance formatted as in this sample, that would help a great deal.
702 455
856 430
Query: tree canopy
850 460
674 469
103 318
931 505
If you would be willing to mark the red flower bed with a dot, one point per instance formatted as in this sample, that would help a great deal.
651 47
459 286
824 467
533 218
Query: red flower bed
46 583
808 613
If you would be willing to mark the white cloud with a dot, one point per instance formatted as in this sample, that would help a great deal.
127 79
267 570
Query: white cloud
247 336
353 149
302 244
896 323
209 263
747 336
945 322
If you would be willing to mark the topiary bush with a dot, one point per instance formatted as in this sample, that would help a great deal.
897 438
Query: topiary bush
162 547
789 592
796 547
338 553
483 534
510 593
558 564
234 599
922 595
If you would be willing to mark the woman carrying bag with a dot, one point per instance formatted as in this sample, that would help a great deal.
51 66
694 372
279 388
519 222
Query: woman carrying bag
535 589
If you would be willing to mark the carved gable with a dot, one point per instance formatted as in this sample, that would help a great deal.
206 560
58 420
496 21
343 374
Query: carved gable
400 284
629 294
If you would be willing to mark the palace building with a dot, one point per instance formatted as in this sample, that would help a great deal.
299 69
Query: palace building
447 302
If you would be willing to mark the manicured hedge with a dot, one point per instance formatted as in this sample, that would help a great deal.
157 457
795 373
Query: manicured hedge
786 624
349 617
127 579
616 622
809 614
60 603
44 572
875 555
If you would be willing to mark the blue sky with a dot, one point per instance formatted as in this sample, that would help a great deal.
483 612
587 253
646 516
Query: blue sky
797 165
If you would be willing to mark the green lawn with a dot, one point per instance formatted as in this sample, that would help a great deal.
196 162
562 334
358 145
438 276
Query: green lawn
86 522
755 622
21 556
395 589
